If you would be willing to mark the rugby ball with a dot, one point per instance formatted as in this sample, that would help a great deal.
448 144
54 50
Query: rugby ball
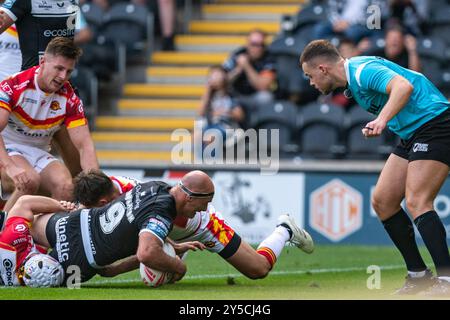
156 278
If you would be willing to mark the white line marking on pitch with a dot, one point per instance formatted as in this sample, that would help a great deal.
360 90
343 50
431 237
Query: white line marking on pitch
273 273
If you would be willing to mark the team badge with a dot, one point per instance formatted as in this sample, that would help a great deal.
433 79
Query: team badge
55 106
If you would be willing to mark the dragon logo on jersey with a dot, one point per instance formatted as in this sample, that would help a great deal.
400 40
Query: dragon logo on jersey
55 106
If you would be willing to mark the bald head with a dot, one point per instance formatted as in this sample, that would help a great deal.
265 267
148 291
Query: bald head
193 193
198 181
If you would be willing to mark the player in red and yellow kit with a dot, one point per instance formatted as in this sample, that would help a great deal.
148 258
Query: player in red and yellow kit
17 248
34 104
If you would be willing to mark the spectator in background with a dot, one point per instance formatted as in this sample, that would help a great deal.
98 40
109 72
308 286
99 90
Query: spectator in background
167 13
411 14
348 49
103 4
401 48
345 18
218 107
251 72
83 34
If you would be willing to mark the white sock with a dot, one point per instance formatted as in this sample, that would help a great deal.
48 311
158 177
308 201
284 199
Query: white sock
445 278
276 240
419 274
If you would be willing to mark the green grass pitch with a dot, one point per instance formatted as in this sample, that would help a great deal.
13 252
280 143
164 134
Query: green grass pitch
331 272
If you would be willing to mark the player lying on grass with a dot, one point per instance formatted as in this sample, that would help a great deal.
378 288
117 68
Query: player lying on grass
22 262
95 189
136 223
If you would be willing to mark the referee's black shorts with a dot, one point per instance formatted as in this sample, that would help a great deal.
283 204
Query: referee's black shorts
430 142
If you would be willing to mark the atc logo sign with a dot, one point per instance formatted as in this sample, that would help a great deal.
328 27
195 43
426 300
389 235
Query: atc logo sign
335 210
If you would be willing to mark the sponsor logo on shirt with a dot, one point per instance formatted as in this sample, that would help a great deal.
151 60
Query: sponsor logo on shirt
44 5
8 266
20 228
59 33
29 100
21 85
158 227
4 45
8 4
7 89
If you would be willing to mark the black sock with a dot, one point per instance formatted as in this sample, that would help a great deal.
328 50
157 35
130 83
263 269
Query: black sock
434 236
401 230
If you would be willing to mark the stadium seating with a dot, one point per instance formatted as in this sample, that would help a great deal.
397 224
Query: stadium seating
131 25
85 82
433 48
310 14
357 146
291 80
281 115
104 58
320 131
93 15
307 126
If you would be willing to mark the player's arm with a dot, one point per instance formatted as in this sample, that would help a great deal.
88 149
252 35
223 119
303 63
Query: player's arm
399 90
5 21
27 206
150 252
12 11
82 140
125 265
17 174
181 248
65 148
375 76
132 263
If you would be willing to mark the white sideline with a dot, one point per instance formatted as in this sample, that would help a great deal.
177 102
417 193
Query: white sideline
273 273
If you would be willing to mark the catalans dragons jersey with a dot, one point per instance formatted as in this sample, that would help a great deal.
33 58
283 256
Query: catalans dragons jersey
35 115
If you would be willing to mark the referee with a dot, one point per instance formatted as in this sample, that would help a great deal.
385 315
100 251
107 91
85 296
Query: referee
413 108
